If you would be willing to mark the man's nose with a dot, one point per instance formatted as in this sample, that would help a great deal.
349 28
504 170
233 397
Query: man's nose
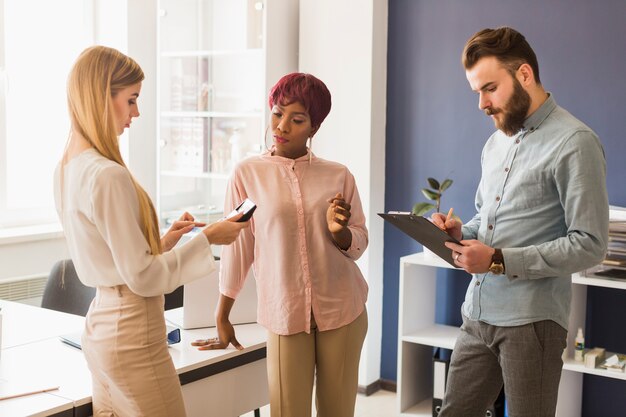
483 102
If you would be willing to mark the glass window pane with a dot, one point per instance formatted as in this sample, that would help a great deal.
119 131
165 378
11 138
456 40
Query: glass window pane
39 50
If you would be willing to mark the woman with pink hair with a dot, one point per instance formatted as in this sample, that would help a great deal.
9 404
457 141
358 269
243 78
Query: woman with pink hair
303 241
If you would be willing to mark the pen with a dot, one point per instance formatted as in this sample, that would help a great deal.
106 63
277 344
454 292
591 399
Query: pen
449 216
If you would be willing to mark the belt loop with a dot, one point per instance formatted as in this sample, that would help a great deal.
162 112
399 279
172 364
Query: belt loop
119 290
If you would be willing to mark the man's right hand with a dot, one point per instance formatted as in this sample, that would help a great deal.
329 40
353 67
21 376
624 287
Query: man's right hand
451 227
225 336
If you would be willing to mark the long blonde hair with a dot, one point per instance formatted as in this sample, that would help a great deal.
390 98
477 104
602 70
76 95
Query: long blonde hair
97 76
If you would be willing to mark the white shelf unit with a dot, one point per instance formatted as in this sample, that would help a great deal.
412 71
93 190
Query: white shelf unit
216 61
418 334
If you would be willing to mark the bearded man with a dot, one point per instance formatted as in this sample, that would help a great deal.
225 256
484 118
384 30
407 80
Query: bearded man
542 214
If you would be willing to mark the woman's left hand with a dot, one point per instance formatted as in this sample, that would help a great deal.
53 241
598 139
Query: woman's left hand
338 214
181 226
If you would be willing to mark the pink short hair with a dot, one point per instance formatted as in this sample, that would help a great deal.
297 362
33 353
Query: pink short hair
307 90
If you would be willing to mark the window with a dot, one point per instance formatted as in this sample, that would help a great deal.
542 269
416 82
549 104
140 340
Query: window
39 42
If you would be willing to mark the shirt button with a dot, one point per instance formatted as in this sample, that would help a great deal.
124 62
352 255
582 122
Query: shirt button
498 198
490 227
300 211
506 169
515 276
532 129
516 140
477 283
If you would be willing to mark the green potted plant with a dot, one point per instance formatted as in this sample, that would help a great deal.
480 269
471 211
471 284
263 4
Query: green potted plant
433 193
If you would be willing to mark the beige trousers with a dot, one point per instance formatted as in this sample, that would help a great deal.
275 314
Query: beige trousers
126 350
332 356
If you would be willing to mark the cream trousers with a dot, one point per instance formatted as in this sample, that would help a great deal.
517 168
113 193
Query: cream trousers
331 357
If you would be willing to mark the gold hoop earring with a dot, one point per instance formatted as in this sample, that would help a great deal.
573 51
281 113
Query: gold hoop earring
265 138
310 148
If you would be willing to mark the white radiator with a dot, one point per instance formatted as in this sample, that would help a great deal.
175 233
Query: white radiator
28 290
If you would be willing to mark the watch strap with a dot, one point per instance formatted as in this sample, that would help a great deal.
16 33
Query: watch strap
498 258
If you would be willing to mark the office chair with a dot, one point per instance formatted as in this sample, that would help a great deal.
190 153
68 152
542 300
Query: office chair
175 298
64 291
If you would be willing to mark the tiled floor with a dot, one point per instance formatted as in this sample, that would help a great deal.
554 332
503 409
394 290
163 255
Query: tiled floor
380 404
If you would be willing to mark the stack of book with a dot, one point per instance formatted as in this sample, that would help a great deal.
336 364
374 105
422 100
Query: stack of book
614 263
616 254
614 363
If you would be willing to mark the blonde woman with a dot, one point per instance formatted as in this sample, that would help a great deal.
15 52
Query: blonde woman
113 238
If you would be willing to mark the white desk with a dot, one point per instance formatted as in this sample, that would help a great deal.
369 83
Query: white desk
22 324
224 383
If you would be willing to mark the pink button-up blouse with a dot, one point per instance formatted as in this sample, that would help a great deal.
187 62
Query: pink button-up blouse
297 266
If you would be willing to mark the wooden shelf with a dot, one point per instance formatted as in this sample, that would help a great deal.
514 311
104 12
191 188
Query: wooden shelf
208 53
595 281
437 335
569 364
417 332
212 114
427 259
422 409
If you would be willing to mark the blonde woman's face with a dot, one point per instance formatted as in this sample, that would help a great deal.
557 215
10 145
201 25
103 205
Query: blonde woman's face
125 106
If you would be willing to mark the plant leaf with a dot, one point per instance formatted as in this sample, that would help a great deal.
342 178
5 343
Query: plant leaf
420 208
445 185
433 183
430 194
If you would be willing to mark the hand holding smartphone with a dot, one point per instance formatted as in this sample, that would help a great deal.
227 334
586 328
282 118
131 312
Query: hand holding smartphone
247 207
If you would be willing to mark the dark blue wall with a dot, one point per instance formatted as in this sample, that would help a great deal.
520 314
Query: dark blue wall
434 128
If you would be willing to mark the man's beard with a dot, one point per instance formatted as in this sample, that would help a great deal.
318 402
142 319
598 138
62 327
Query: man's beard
514 111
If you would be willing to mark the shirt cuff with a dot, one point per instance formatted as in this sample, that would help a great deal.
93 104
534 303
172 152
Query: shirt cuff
514 263
195 259
355 250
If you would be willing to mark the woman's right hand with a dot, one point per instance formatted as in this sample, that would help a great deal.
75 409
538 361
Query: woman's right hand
225 336
224 232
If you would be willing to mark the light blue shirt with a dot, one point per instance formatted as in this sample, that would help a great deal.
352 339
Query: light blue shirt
542 199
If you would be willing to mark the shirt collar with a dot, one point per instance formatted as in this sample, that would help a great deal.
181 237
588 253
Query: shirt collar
267 155
534 120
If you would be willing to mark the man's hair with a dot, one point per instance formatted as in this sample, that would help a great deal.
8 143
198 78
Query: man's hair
505 44
305 89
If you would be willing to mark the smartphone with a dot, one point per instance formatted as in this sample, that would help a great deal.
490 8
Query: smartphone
247 207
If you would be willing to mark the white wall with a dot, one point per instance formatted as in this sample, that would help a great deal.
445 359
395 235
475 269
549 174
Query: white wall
142 46
344 43
30 257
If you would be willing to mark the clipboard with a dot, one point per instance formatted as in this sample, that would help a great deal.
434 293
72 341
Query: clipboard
423 231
